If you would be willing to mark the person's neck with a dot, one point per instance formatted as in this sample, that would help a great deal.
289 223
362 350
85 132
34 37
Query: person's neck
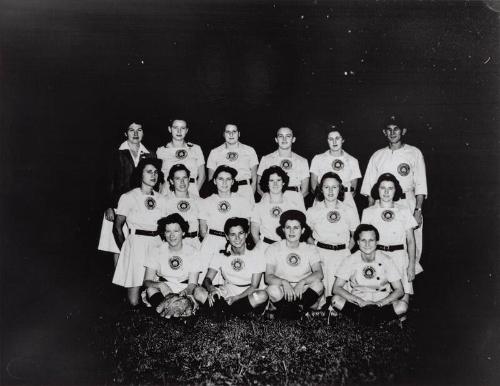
276 198
146 189
396 146
331 204
178 143
368 257
181 194
224 194
292 244
134 146
336 153
386 205
239 250
285 152
175 248
232 145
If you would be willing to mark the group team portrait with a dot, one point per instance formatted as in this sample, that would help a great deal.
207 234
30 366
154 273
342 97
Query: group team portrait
250 193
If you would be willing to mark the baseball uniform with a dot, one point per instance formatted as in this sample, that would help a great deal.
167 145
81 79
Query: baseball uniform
189 209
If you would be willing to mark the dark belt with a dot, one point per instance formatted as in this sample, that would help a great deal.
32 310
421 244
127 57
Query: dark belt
192 180
268 241
216 233
347 189
390 248
161 278
243 182
337 247
192 234
141 232
294 188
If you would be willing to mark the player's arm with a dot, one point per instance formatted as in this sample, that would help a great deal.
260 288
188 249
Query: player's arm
192 284
251 288
396 294
354 185
314 182
417 213
259 190
315 275
304 186
411 248
201 176
255 231
210 174
340 291
203 228
270 278
118 230
253 172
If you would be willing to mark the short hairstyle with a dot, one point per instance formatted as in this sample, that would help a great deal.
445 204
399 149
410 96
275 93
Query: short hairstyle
297 215
285 126
387 177
227 169
236 221
171 121
130 123
174 218
365 228
175 169
136 178
319 189
264 180
334 126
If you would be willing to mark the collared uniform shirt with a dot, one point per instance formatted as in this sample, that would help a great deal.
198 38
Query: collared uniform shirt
295 166
187 207
238 269
190 156
346 166
215 210
174 266
142 210
243 158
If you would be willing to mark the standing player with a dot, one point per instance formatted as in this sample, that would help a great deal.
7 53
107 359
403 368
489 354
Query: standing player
293 164
337 160
178 151
238 156
404 161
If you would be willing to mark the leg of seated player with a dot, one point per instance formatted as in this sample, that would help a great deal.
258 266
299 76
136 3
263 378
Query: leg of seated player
133 295
312 294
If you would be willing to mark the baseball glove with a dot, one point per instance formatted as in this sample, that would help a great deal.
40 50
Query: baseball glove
177 306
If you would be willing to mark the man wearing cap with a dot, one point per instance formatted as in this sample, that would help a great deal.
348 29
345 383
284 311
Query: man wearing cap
404 161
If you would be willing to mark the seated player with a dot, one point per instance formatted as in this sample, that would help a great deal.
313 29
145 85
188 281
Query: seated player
374 279
241 269
293 271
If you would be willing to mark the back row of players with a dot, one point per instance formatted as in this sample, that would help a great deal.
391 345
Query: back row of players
394 182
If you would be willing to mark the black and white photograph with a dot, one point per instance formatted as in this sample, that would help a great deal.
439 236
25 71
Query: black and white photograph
250 192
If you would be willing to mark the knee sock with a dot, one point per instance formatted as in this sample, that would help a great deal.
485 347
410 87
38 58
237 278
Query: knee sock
156 299
241 306
309 297
350 310
386 313
287 309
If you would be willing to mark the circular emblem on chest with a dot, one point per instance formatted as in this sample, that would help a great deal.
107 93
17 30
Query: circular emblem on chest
276 211
237 264
175 262
368 272
223 206
150 203
183 206
181 154
232 156
403 169
333 216
293 259
286 164
337 165
387 215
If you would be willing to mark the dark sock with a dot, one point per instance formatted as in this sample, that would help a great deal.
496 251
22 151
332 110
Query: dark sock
241 306
351 310
369 315
156 299
386 313
289 310
309 297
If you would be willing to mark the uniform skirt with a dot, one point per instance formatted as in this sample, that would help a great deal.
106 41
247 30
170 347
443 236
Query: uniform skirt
211 245
330 262
107 241
400 259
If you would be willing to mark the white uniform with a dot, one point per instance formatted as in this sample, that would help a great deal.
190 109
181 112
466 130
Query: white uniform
189 209
369 281
174 266
267 214
142 212
346 166
408 166
190 156
292 264
242 159
107 241
333 227
296 167
392 225
237 270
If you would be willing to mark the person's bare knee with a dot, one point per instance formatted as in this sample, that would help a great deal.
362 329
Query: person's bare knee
200 294
317 286
400 307
257 298
151 291
275 293
338 302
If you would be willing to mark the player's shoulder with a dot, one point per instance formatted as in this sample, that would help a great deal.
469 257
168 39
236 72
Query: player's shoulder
298 157
193 146
412 149
218 149
246 148
274 248
350 157
321 156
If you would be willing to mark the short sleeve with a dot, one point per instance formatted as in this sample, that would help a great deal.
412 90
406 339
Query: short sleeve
262 166
315 165
259 262
304 170
391 271
211 161
365 217
270 256
344 271
353 218
356 173
314 255
204 204
254 160
410 221
200 159
196 264
125 204
256 215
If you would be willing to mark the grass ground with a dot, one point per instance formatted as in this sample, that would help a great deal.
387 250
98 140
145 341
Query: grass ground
142 348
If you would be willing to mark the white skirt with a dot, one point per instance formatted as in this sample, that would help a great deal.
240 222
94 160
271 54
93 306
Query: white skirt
330 262
211 244
107 241
400 258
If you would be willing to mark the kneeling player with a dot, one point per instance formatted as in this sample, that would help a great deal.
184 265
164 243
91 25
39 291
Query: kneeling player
376 288
293 271
241 269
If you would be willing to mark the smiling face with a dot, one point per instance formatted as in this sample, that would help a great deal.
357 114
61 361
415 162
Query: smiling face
293 230
394 134
223 182
386 191
275 184
178 130
134 133
367 242
236 236
173 234
180 181
149 175
330 189
231 134
284 138
335 141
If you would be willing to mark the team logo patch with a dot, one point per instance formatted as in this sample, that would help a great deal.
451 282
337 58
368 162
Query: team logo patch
403 169
223 206
337 165
293 259
276 211
387 215
286 164
181 154
175 262
232 156
369 272
333 216
150 203
183 206
237 264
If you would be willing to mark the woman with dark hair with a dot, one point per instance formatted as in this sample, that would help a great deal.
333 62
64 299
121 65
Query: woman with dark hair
396 224
140 208
224 203
374 282
180 200
266 214
293 268
122 164
241 269
173 266
332 223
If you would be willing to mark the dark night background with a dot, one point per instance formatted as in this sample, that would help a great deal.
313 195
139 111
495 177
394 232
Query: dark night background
74 74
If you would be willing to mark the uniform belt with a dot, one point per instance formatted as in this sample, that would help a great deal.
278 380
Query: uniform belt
390 248
161 278
192 180
294 188
347 189
243 182
268 241
141 232
192 234
216 233
337 247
